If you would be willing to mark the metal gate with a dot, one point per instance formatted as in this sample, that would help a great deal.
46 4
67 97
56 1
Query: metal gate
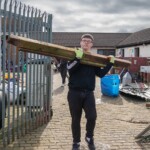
25 78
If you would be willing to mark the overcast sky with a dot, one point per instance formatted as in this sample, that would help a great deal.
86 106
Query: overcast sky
96 15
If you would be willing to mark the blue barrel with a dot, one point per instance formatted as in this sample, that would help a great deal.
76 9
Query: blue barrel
110 85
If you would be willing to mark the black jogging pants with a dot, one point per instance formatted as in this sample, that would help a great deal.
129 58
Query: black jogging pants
78 100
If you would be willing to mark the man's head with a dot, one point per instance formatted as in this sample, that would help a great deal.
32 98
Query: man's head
86 42
87 36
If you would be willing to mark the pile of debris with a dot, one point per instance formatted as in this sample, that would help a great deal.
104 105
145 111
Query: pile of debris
137 89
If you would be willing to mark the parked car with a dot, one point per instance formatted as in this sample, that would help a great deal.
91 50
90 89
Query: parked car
12 91
10 94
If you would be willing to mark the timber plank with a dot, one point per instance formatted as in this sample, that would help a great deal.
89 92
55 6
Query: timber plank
53 50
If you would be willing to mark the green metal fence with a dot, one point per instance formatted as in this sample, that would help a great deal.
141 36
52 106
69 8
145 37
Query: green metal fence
25 78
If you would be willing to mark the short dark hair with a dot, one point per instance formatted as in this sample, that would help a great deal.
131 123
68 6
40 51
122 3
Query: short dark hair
87 36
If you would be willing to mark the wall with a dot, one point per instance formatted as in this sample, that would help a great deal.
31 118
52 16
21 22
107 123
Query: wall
94 51
144 51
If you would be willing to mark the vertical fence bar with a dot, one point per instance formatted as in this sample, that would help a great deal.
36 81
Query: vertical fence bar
40 74
50 77
36 69
37 72
1 94
43 76
47 72
18 73
8 70
14 80
35 63
4 70
30 87
21 102
27 124
23 75
31 72
1 119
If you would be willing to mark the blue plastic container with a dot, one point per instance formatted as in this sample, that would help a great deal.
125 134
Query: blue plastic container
110 85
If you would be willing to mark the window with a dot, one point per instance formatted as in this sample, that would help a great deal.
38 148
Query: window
106 52
136 52
99 51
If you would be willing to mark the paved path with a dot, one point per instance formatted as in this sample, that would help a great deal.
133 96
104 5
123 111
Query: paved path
119 121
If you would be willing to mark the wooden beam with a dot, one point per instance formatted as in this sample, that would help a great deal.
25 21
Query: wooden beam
53 50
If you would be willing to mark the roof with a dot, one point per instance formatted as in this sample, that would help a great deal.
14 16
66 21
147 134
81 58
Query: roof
72 39
136 38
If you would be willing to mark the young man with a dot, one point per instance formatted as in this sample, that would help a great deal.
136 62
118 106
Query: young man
80 94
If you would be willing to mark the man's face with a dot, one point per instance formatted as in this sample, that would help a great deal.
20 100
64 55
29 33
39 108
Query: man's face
86 44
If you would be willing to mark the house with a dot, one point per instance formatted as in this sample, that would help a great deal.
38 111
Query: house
135 45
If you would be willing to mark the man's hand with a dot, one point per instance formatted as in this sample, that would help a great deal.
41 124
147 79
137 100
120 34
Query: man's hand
111 59
79 53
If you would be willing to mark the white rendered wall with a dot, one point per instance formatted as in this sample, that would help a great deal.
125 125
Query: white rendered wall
144 51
